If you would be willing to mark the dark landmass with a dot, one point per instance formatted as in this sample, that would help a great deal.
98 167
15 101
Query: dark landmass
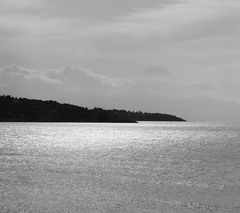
146 116
30 110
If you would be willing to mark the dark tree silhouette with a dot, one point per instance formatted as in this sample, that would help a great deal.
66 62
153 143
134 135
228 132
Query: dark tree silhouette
29 110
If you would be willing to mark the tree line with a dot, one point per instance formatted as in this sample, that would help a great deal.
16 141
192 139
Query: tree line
14 109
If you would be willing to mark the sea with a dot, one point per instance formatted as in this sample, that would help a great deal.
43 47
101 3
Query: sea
162 167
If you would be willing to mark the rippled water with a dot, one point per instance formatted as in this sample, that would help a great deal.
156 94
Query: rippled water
145 167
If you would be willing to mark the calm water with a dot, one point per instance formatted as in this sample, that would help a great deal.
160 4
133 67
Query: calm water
145 167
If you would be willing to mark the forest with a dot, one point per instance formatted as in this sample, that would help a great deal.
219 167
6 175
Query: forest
14 109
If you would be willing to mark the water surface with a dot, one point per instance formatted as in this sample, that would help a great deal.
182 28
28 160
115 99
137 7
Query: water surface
144 167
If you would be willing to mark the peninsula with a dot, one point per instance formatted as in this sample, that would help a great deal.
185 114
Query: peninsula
30 110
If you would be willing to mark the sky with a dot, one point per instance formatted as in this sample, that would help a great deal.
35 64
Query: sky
171 56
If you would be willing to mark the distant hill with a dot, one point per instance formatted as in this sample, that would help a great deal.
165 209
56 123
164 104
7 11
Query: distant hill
146 116
30 110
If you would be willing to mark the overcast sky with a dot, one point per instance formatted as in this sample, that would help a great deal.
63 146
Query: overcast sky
151 55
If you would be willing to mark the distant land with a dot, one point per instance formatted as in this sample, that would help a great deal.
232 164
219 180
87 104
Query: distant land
30 110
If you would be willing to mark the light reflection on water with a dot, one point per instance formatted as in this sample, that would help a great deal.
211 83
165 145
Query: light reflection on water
145 167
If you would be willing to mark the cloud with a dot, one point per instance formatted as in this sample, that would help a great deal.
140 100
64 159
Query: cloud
85 78
19 81
203 86
13 72
83 81
157 70
70 80
97 10
52 36
231 85
66 80
182 21
20 3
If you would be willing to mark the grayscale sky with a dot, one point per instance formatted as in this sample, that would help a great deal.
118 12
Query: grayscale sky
173 56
